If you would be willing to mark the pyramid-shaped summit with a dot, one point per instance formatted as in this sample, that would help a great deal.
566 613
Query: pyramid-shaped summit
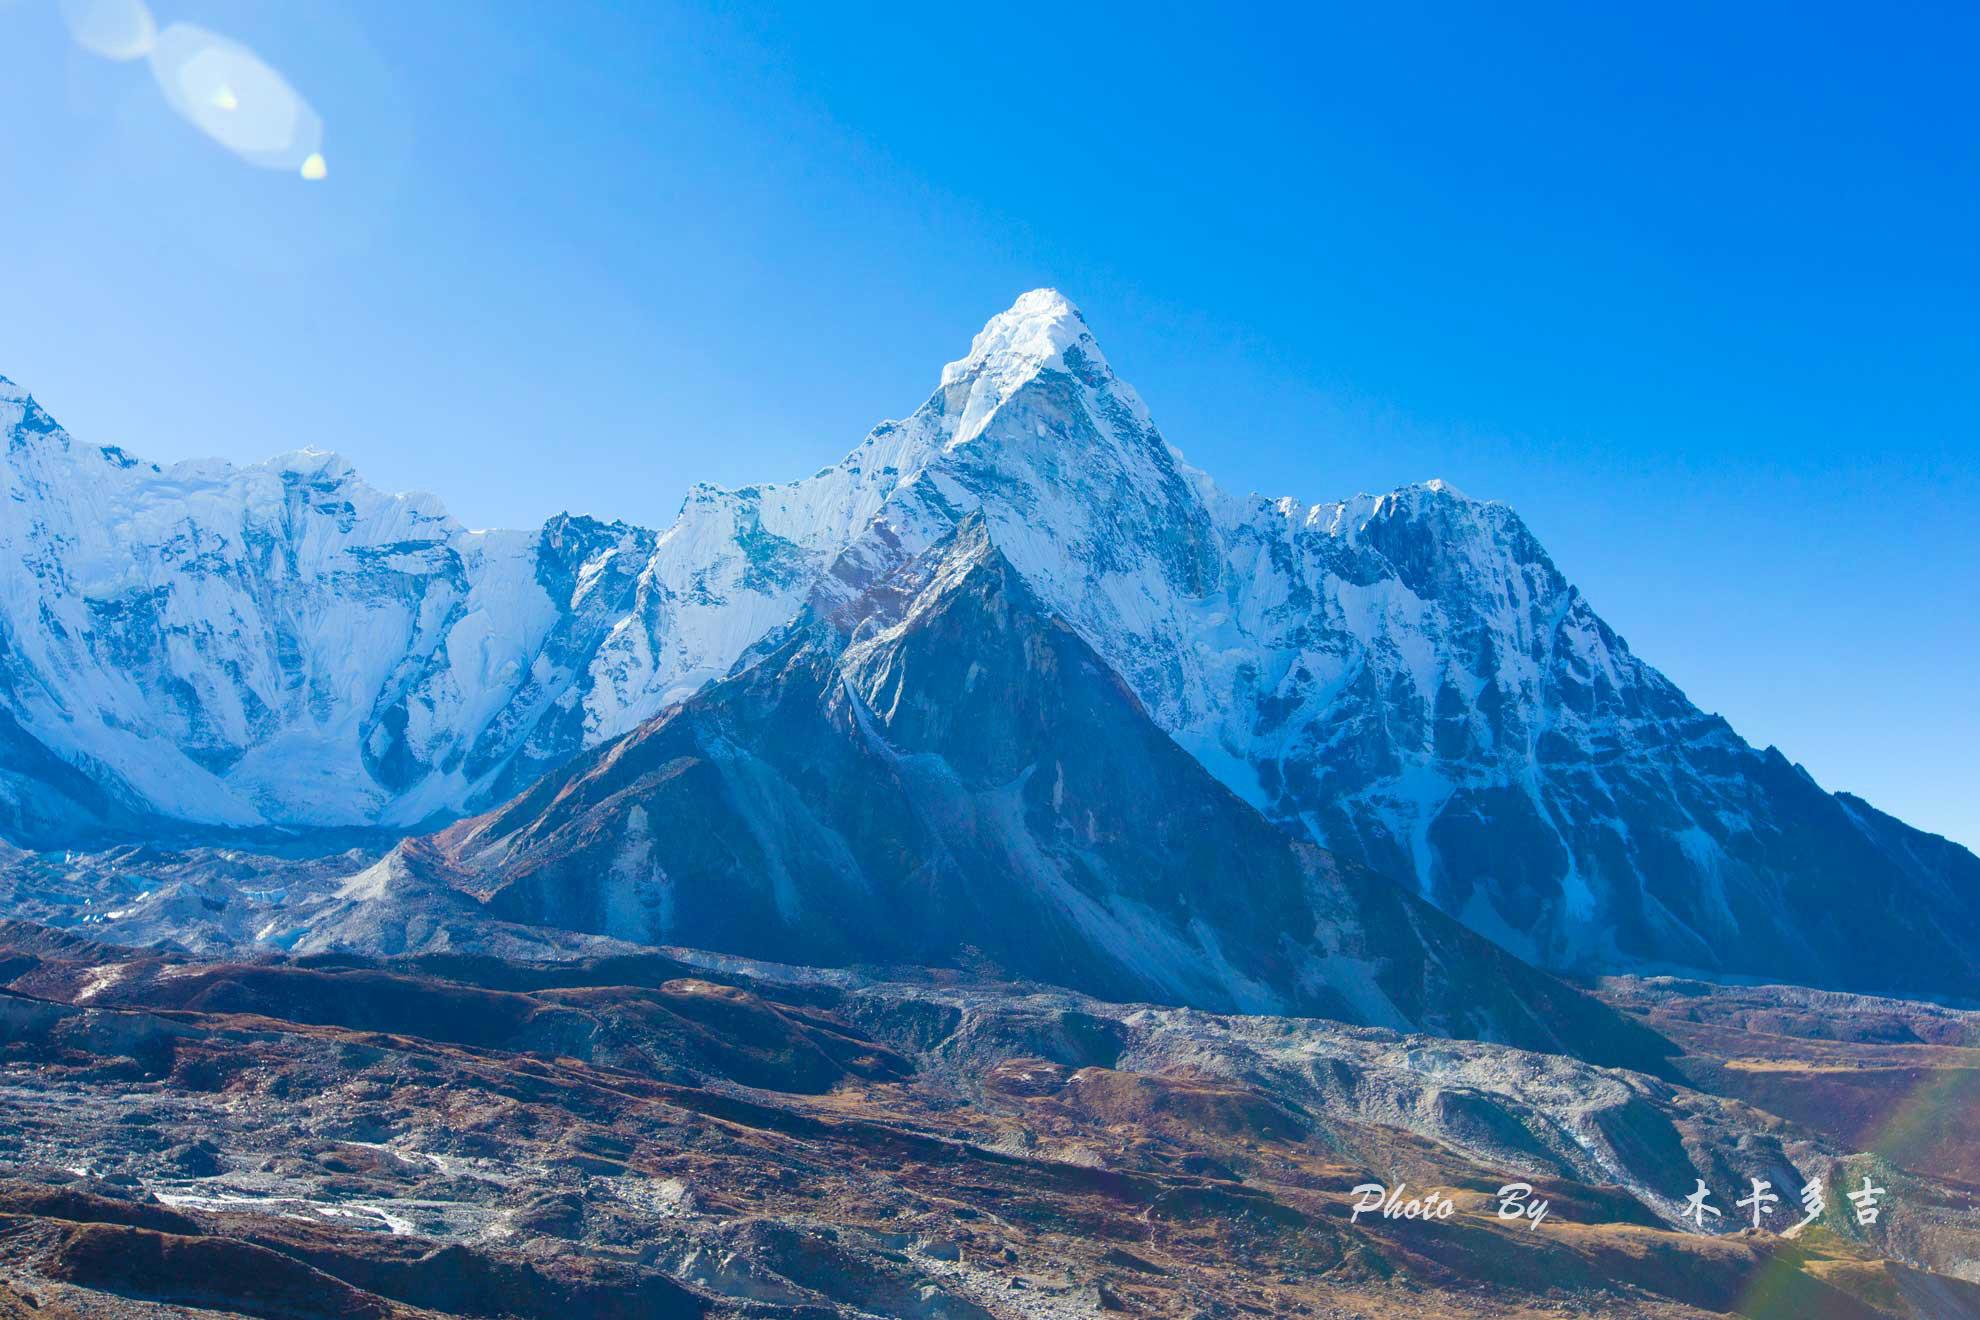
1042 332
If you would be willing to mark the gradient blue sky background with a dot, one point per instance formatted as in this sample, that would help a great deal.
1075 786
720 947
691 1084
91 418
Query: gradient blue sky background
1695 288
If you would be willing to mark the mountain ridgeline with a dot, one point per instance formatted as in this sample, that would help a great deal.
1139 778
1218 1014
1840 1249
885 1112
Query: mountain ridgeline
959 779
1010 680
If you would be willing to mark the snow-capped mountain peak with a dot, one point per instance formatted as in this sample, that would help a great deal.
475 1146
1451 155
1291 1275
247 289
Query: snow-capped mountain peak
1034 331
1041 331
1406 677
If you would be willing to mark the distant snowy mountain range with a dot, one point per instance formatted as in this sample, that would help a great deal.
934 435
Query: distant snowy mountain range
1405 679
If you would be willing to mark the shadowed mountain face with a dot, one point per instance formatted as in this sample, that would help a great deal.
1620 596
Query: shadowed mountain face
956 778
1406 680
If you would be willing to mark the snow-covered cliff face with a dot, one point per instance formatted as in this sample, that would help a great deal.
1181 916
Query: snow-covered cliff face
1405 678
282 644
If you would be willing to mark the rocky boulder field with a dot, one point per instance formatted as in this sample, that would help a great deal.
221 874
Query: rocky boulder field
660 1133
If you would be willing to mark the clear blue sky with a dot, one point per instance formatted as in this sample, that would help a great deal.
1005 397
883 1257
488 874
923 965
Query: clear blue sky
1695 288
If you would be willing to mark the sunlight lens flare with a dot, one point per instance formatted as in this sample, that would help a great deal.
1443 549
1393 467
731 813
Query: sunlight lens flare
232 95
114 29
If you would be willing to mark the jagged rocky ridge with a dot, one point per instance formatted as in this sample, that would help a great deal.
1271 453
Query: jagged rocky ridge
1407 679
